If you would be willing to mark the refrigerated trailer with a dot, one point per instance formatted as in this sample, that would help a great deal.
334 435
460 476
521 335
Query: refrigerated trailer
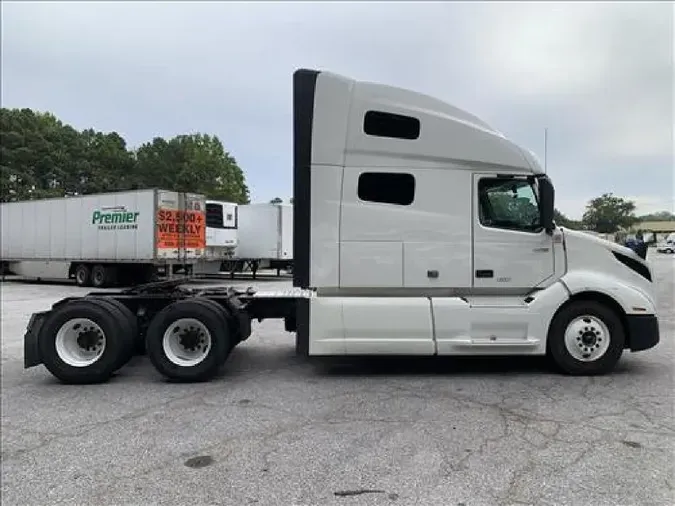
104 238
418 230
222 237
265 239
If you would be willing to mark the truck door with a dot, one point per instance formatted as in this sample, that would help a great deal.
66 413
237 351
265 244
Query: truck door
510 249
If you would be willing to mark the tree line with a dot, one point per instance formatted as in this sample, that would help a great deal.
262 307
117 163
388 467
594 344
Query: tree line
609 214
41 157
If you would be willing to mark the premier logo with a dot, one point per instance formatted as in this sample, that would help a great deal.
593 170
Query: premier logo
115 218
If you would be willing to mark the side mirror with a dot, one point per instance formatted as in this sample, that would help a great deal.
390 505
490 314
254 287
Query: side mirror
546 200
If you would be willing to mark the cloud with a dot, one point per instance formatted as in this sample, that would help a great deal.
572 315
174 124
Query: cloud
599 76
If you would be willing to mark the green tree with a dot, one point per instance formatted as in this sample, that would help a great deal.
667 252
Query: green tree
564 221
660 216
608 214
196 163
41 157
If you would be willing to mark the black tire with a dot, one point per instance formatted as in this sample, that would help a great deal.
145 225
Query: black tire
207 315
129 324
107 318
82 275
102 276
558 350
226 319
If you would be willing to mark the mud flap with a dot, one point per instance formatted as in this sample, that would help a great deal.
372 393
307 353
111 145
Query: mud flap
31 352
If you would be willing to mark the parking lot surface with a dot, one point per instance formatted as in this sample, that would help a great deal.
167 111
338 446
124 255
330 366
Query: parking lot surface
274 429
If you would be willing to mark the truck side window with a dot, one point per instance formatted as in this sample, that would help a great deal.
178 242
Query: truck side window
508 203
387 188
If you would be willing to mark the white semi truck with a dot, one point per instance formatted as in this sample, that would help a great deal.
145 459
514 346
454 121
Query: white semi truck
101 239
418 230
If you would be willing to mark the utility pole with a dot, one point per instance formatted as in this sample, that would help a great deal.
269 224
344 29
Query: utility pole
545 150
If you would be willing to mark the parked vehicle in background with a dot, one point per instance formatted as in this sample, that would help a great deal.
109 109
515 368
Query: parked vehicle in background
265 239
667 246
221 236
104 239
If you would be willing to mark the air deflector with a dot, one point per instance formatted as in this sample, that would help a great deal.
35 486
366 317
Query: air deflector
304 90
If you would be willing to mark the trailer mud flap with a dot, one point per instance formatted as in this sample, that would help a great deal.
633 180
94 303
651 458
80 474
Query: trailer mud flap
31 352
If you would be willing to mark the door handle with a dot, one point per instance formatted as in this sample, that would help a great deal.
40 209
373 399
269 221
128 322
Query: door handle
540 250
485 274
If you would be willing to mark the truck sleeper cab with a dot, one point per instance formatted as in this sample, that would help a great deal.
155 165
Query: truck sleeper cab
418 229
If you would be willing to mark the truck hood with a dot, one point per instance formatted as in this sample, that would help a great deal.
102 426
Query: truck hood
583 237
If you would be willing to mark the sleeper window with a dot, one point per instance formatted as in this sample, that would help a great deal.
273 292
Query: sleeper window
387 188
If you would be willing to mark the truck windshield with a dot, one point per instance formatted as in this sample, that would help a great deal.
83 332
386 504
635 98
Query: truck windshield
509 204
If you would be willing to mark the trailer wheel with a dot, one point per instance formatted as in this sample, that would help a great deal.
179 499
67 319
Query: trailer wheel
82 342
102 275
129 324
586 338
82 275
187 341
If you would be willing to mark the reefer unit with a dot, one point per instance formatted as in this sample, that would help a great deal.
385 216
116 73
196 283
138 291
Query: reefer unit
221 229
94 238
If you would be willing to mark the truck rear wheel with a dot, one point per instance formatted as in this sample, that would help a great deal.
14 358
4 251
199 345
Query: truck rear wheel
83 342
82 275
129 323
226 320
586 338
187 341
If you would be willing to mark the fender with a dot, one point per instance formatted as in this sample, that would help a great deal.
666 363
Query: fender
632 299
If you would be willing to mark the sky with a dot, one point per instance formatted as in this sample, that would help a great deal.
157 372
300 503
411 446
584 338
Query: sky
598 76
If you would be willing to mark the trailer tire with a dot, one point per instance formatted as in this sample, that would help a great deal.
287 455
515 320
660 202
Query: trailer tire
102 276
586 338
61 346
82 275
129 323
186 327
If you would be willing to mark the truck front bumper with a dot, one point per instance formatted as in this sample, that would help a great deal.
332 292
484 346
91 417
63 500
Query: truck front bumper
31 351
643 331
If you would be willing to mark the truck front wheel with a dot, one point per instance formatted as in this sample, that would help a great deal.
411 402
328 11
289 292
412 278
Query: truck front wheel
586 338
187 341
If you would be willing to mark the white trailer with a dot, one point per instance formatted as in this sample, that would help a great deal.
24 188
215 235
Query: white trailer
418 230
265 238
103 238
